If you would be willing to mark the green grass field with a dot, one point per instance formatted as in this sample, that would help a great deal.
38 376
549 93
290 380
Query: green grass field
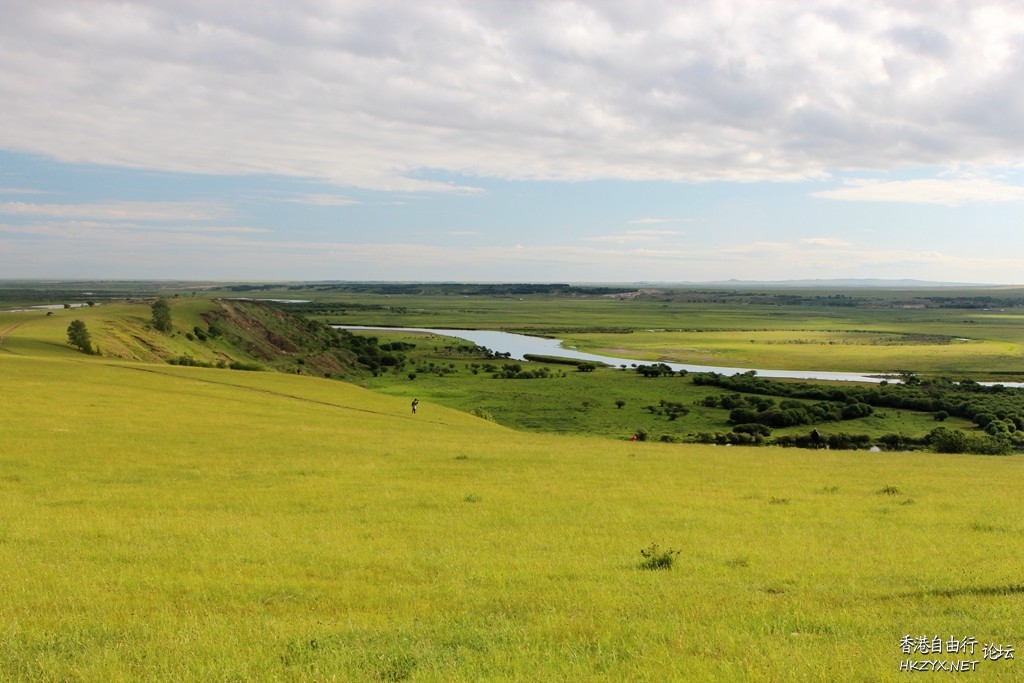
167 523
857 351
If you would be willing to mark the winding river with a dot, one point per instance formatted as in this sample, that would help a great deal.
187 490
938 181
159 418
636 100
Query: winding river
519 345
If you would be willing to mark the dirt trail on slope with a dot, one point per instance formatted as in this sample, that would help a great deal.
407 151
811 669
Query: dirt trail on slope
7 330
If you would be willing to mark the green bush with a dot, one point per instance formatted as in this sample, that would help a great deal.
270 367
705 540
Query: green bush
943 440
188 360
482 414
753 428
656 558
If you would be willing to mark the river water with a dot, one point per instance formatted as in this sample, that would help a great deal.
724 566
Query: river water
519 345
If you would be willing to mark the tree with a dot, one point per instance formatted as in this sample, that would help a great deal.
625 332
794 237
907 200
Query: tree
78 336
162 316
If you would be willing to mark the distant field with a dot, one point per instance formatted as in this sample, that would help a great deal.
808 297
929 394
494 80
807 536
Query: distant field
843 350
872 331
166 523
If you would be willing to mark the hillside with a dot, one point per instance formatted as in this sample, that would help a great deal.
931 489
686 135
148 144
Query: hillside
217 333
292 343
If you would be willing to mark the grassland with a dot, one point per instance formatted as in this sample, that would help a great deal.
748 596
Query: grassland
809 347
178 523
167 523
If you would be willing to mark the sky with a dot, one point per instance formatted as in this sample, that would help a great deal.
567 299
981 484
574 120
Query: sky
500 141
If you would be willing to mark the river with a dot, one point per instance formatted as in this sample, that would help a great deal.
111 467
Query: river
519 345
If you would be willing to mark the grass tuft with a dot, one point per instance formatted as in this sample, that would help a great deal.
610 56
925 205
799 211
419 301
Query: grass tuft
656 558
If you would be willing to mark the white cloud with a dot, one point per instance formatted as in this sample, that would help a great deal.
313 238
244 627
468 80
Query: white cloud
825 242
121 211
78 229
115 235
947 192
227 229
377 93
21 190
633 236
88 248
322 200
648 221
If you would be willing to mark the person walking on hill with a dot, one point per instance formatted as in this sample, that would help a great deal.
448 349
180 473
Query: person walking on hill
415 404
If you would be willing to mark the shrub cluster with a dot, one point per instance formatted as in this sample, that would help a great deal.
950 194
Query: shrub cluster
787 413
431 368
658 370
671 409
516 371
944 440
997 409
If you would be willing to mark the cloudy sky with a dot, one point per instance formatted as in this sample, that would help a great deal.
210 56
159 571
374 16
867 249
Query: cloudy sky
494 140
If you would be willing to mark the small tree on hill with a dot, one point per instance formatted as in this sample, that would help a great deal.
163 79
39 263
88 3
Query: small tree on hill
162 316
78 336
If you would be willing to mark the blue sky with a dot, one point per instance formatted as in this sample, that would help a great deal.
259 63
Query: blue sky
512 141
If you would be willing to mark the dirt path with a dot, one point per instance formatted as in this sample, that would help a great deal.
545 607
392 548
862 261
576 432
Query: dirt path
10 328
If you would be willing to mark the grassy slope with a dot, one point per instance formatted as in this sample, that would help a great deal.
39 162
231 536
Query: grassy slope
168 523
120 330
252 333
